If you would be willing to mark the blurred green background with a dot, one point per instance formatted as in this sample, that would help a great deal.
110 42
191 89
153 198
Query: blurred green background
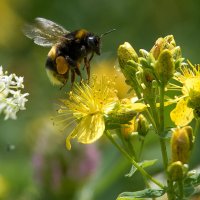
34 164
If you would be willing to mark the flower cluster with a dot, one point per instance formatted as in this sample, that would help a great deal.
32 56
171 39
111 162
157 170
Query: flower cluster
11 98
152 68
159 78
95 109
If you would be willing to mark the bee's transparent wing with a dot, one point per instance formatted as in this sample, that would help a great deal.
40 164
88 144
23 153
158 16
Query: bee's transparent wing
45 32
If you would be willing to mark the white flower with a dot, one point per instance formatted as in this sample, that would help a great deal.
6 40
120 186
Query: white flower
19 81
11 98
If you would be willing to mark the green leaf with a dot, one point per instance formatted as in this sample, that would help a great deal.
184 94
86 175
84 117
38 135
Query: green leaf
188 191
193 180
190 183
132 171
148 163
146 193
143 164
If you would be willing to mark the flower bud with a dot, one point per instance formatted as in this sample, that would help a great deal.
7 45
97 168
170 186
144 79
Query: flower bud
124 111
157 48
181 144
127 130
161 44
125 53
142 125
128 62
176 53
165 66
175 171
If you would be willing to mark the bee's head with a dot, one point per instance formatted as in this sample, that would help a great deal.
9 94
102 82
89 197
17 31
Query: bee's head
93 42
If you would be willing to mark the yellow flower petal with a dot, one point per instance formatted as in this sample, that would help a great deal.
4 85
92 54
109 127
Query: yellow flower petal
94 127
90 129
182 114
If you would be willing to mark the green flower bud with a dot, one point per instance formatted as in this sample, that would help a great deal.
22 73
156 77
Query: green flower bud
125 53
167 42
124 112
181 144
142 125
157 48
128 62
176 53
165 66
176 171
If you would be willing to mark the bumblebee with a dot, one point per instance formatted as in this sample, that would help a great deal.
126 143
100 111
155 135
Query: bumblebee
68 49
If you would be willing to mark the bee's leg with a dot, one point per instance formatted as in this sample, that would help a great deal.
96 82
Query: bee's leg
77 70
87 65
84 53
74 67
66 79
91 56
72 77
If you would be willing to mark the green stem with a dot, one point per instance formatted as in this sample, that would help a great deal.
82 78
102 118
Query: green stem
170 192
141 148
132 150
127 144
154 113
162 129
135 164
196 129
148 115
164 153
181 192
136 88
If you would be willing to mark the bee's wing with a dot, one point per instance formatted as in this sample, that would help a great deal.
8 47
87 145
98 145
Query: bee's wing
45 32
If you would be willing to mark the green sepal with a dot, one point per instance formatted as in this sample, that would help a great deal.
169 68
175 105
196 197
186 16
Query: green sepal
133 64
179 62
146 193
144 53
145 63
176 52
120 118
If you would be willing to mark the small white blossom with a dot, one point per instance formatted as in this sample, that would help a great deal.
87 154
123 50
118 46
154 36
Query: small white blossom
19 81
11 98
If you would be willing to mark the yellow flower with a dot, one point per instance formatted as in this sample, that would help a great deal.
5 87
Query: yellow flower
189 77
88 104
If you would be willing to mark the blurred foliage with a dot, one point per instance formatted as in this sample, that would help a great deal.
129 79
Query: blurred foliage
139 22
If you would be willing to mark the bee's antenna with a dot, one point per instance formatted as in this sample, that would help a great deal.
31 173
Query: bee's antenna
107 32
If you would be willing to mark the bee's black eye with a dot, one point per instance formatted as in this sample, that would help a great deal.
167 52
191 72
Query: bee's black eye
93 43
